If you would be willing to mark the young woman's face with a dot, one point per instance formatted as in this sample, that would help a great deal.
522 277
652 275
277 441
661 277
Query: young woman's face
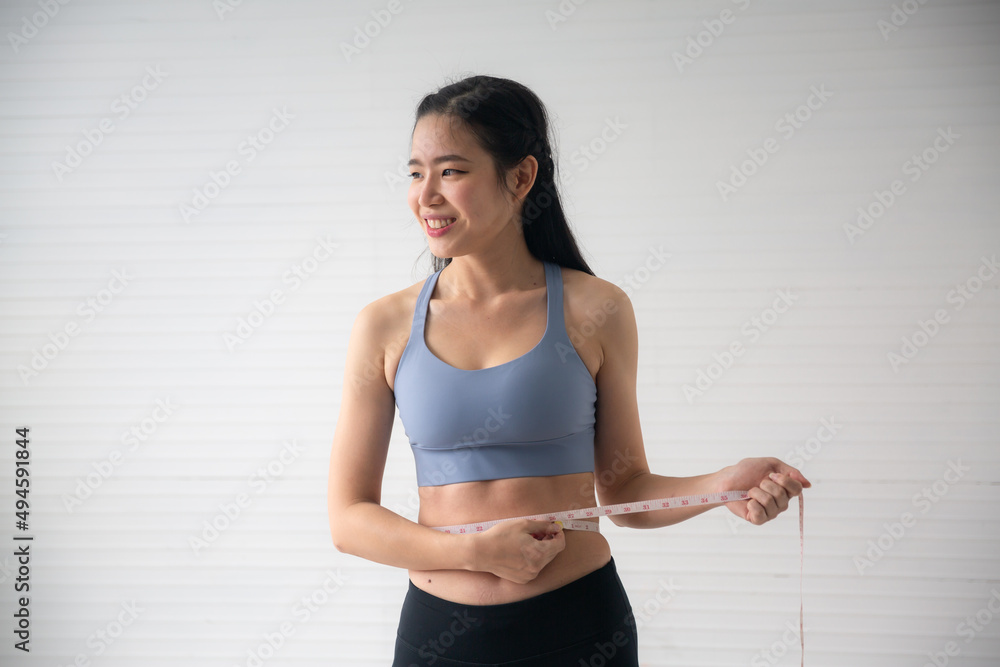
453 181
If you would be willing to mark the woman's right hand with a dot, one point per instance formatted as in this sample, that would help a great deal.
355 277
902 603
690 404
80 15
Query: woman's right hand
518 550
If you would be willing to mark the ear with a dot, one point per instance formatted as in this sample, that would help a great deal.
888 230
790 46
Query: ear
523 177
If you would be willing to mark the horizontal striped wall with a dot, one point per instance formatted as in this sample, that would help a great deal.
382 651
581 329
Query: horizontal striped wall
197 198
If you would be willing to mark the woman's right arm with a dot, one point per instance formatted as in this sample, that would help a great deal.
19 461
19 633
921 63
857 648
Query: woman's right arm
360 525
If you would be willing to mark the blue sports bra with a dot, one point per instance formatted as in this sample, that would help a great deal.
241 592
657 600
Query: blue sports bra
530 417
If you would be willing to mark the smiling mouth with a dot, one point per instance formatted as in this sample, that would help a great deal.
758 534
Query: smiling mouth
439 223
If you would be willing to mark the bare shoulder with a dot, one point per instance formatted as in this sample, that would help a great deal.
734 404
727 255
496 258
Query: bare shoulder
599 318
382 329
586 295
386 313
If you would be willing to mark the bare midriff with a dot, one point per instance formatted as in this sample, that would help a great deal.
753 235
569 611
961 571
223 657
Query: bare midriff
469 502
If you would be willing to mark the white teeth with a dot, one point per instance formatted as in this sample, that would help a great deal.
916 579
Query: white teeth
438 224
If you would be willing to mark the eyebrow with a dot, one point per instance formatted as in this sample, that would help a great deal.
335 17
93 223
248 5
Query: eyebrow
439 160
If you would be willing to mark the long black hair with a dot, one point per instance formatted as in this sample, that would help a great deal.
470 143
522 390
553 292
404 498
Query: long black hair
510 122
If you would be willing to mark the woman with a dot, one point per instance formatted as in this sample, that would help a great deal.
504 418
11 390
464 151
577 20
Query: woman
507 415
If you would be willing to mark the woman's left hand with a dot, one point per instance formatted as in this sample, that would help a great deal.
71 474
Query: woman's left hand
771 482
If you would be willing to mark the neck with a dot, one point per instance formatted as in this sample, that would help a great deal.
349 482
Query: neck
504 267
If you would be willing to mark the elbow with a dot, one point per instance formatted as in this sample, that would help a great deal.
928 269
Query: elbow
338 538
340 530
341 542
347 526
340 546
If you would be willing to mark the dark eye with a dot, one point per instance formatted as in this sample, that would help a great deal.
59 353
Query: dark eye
444 172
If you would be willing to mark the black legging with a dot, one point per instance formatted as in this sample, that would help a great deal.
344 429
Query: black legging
587 622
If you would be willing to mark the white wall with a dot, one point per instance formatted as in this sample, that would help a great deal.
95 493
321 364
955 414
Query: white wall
330 173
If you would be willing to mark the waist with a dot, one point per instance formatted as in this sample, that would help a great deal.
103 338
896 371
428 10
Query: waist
484 500
584 553
503 498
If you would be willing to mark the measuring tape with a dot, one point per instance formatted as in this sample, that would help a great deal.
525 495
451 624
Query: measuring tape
570 520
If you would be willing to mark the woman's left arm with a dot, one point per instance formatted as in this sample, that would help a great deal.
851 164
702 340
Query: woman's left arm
621 472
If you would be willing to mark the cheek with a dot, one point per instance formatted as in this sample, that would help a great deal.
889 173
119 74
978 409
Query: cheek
474 200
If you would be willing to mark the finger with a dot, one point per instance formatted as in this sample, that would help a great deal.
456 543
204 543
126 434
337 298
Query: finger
556 542
792 486
544 530
552 531
533 526
778 492
765 501
755 513
794 474
550 535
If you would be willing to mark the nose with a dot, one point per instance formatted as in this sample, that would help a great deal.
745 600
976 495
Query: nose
429 192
